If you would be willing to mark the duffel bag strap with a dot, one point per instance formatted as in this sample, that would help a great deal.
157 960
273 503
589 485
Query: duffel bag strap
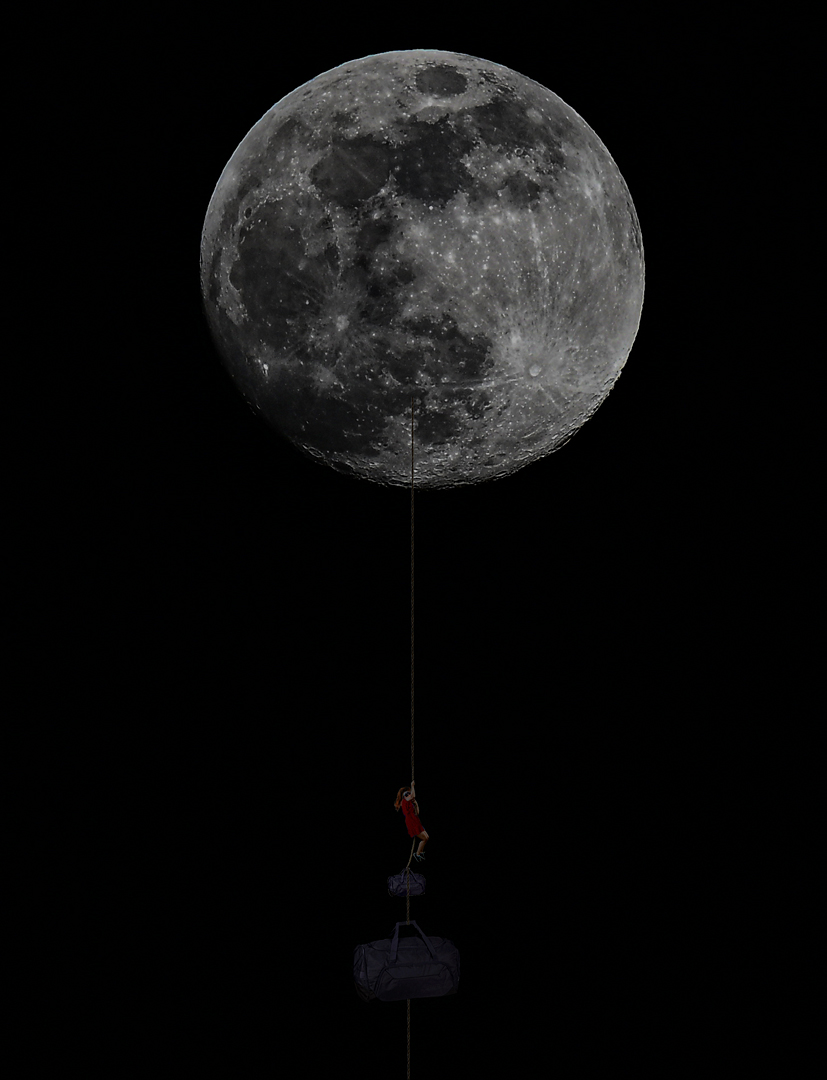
395 940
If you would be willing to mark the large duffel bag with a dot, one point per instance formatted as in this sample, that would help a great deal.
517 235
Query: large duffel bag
397 885
395 969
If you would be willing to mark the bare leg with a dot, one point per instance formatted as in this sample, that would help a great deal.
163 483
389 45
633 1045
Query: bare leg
422 842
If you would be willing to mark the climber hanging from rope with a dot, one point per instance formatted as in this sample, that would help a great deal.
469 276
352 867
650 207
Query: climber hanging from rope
406 799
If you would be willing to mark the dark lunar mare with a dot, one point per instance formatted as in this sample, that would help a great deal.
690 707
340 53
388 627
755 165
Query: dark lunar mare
284 290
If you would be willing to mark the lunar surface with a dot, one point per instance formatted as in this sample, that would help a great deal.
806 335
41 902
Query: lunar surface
423 230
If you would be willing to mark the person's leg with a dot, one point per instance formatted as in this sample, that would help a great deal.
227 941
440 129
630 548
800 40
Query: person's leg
423 836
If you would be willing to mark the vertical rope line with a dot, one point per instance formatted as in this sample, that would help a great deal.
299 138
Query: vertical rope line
408 876
412 590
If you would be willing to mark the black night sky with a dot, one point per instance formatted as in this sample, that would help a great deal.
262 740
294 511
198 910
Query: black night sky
603 804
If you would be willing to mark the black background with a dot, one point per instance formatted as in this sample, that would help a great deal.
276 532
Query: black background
607 736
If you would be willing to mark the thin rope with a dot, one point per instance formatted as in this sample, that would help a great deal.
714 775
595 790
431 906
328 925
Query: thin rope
407 869
412 590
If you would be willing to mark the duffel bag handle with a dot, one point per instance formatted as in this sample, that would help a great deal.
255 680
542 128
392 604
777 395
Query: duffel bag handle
395 940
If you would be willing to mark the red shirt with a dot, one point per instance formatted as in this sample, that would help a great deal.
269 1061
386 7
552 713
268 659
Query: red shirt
409 808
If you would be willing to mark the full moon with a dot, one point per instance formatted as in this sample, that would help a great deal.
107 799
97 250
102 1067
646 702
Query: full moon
423 244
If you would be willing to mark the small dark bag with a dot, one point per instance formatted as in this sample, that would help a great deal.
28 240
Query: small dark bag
397 885
396 969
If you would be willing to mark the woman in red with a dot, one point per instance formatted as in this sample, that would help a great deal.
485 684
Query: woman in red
406 798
